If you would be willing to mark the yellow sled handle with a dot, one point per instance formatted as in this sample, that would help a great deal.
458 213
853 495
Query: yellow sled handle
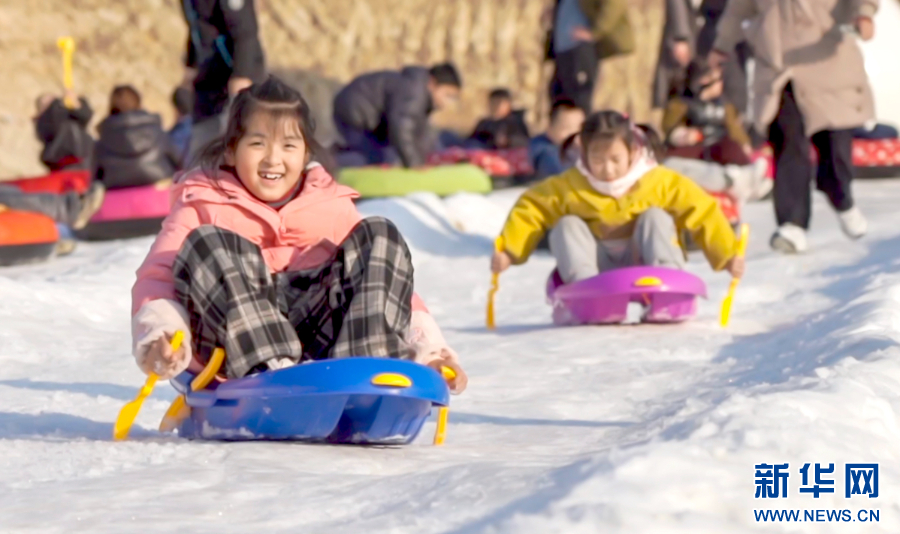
67 47
495 285
440 433
129 412
725 313
179 410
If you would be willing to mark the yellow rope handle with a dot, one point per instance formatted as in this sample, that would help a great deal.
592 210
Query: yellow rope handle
495 285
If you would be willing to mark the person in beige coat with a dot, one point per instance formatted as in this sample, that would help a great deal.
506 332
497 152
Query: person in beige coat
809 84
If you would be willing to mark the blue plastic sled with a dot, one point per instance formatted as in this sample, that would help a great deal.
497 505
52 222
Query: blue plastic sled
351 400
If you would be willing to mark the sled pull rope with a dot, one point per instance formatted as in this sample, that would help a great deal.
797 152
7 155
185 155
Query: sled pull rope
440 433
495 285
129 412
725 314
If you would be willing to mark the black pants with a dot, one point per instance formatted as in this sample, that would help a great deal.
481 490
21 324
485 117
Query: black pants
576 75
794 168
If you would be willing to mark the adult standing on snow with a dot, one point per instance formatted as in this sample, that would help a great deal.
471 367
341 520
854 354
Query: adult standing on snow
224 55
809 83
583 32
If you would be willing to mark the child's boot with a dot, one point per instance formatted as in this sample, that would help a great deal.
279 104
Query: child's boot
90 204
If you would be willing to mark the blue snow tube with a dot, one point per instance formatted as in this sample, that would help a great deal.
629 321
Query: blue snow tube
349 400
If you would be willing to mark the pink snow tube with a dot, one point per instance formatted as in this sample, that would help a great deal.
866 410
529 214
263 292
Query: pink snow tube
129 212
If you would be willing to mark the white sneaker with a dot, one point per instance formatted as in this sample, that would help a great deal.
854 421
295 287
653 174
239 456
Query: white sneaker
853 223
789 238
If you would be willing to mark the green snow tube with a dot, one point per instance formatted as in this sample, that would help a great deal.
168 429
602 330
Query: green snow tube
372 182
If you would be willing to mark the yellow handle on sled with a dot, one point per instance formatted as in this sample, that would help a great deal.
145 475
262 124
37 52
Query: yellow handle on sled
725 314
179 410
440 433
495 285
67 47
129 412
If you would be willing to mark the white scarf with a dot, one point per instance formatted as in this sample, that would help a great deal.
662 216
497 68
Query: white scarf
618 187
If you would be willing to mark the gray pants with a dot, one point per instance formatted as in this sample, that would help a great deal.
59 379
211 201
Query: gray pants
202 133
708 175
580 255
62 208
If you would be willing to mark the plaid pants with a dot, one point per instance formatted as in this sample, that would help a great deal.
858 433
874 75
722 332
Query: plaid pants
356 304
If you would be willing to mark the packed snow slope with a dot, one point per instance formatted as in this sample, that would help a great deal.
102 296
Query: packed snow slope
637 429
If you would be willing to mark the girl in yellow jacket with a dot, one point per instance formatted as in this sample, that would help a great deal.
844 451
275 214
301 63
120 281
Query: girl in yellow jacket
617 208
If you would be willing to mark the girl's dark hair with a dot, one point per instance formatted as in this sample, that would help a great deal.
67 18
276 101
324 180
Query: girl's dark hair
611 125
279 101
124 98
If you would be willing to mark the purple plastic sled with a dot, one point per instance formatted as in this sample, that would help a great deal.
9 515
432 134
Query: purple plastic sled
670 296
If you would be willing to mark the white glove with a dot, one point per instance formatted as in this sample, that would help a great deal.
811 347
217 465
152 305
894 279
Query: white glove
431 349
159 320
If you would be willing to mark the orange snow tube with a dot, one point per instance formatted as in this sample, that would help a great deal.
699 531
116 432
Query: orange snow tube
25 237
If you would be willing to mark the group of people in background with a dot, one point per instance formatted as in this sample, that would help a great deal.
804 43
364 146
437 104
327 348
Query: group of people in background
809 89
263 252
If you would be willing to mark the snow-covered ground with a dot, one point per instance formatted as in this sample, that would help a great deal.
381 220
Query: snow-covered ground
637 429
881 61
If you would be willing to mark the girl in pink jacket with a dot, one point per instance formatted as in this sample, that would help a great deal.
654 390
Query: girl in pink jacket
264 254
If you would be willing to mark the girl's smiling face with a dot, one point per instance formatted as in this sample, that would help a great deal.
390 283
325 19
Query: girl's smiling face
270 157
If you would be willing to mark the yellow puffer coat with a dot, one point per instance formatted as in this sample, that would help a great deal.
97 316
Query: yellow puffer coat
695 211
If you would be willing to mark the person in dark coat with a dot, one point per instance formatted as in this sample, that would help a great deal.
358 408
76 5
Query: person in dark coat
180 134
383 116
702 123
583 33
504 127
133 149
224 55
63 132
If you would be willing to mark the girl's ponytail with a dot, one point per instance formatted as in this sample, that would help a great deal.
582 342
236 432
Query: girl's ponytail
653 141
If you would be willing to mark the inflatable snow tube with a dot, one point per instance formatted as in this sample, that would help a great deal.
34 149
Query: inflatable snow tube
56 182
374 182
497 163
349 400
26 237
129 212
876 158
669 296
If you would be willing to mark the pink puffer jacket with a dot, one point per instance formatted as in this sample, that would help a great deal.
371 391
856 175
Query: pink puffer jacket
301 235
